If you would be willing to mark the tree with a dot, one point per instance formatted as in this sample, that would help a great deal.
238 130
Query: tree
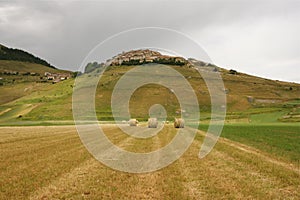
92 66
232 71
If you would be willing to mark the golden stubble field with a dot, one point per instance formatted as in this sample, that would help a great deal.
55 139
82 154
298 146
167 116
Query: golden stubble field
50 162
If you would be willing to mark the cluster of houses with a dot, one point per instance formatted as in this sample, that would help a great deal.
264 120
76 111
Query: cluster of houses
137 57
48 76
57 77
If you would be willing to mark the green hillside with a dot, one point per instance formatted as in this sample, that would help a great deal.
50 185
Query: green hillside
19 79
28 92
22 73
249 99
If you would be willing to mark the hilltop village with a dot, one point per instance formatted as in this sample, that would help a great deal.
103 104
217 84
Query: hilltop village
138 57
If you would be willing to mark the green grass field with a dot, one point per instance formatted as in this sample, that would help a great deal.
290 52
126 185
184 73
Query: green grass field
280 140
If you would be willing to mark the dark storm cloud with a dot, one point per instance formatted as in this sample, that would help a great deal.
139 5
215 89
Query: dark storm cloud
252 36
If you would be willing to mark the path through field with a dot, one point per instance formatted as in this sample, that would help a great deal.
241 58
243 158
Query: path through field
51 163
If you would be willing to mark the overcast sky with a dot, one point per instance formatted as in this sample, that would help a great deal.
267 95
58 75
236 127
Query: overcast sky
256 37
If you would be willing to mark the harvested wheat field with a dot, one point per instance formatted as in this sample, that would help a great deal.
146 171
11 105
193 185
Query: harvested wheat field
51 163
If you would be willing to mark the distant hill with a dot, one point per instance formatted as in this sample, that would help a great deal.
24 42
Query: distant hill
22 73
20 55
250 99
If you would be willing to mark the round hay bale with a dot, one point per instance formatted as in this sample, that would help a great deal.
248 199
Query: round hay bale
133 122
152 123
179 123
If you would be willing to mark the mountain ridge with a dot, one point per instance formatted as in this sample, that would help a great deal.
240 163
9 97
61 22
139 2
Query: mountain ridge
14 54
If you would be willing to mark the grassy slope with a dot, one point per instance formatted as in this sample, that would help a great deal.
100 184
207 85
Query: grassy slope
16 86
239 86
25 67
53 102
280 140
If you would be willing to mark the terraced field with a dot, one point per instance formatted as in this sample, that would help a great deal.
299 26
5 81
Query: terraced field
50 162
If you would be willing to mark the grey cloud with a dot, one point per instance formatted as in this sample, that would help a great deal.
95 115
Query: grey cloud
250 36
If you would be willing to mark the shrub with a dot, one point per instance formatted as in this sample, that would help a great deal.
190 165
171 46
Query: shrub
232 72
